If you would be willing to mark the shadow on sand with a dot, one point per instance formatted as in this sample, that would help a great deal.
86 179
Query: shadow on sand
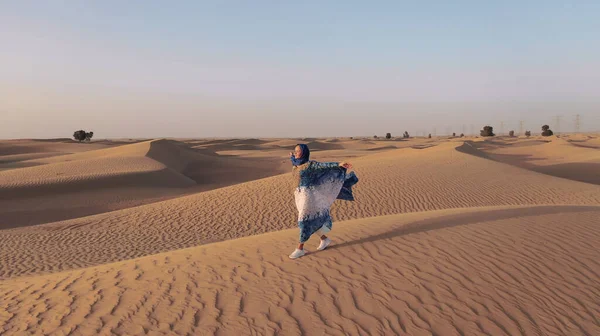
450 221
587 172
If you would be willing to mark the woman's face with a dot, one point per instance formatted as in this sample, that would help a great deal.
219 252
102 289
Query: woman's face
297 152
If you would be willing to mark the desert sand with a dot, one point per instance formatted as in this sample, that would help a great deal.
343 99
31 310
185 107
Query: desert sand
447 236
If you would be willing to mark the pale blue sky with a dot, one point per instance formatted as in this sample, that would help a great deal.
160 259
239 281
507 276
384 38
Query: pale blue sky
303 68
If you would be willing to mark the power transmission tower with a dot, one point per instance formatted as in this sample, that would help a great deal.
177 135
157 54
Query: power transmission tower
577 123
557 124
434 132
472 130
521 127
463 129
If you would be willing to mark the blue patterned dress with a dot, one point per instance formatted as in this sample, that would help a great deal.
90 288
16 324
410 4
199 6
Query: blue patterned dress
319 184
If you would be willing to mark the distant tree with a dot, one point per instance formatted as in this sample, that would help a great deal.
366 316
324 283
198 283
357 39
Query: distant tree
511 133
546 131
88 136
453 134
79 135
388 135
429 136
462 135
527 133
406 135
374 136
487 131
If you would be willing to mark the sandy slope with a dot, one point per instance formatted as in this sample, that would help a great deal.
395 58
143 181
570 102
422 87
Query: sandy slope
92 169
63 146
166 162
584 140
23 153
392 182
61 186
316 145
498 271
553 156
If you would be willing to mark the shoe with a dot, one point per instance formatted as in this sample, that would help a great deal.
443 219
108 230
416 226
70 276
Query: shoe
297 254
324 244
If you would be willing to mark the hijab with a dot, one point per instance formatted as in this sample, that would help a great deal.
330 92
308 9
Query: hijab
304 158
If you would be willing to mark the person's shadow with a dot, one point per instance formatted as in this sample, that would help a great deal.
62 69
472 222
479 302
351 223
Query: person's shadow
466 219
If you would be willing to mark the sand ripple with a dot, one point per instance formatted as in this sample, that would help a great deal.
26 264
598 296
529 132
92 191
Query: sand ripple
506 271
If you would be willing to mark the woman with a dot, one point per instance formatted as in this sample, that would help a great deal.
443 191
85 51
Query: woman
318 185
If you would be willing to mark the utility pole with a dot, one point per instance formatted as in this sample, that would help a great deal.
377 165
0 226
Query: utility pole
521 127
434 132
502 128
463 129
472 130
577 123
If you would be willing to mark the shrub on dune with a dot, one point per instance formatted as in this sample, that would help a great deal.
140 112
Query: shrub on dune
487 131
546 131
83 135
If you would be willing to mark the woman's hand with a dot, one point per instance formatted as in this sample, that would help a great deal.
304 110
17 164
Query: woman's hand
345 165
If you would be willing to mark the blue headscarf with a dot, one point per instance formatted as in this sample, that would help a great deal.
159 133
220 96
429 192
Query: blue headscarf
304 158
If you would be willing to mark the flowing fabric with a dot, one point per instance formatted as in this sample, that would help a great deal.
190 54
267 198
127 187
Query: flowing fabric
346 192
319 184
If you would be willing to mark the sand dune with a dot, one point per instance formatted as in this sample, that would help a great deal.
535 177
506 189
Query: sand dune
72 180
124 165
89 182
498 271
4 159
24 153
8 162
553 156
404 180
589 141
316 145
445 238
65 146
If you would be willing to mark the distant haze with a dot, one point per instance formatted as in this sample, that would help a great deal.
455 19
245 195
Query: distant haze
301 69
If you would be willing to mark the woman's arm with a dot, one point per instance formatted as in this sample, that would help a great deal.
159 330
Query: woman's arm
320 165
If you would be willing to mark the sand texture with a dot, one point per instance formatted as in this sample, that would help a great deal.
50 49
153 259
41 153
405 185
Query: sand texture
191 237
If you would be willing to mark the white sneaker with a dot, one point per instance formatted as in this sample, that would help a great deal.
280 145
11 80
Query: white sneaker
297 254
324 244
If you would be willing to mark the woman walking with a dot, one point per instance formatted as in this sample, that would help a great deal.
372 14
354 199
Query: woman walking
318 185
